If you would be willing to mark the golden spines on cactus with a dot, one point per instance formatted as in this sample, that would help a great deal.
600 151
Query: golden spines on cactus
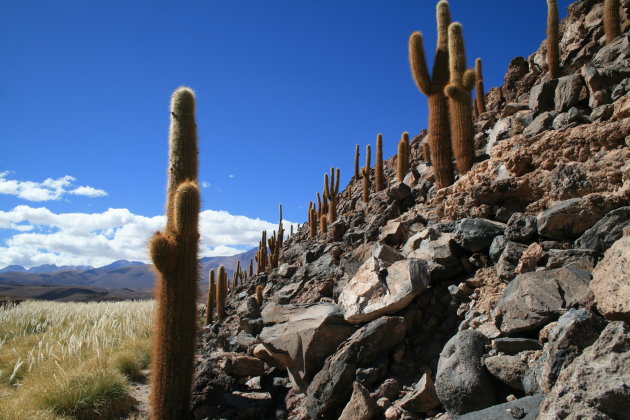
553 40
221 291
174 252
460 109
480 99
379 173
323 223
313 224
612 20
365 174
357 175
439 128
426 153
259 294
331 191
210 300
403 159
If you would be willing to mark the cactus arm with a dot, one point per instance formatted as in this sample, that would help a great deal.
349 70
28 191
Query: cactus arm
418 64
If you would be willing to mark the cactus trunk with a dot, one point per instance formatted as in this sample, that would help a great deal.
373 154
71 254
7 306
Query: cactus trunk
221 291
174 253
612 20
210 301
480 99
379 174
553 40
356 164
365 173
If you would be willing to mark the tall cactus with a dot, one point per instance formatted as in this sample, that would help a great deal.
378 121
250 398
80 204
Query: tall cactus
251 267
280 230
553 40
174 254
458 92
210 300
379 173
480 99
221 291
313 223
323 224
365 173
426 153
356 164
403 159
439 129
612 20
331 191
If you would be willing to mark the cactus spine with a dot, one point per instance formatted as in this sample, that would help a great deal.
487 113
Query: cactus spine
439 133
403 158
174 254
553 40
259 294
210 301
356 164
480 99
612 20
221 291
379 174
458 92
365 173
331 191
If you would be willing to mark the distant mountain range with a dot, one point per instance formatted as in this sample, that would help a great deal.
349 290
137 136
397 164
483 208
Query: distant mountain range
121 279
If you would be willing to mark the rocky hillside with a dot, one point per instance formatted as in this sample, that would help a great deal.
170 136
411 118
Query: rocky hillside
503 296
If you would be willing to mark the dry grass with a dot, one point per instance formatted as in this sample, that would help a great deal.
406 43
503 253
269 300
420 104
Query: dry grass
71 360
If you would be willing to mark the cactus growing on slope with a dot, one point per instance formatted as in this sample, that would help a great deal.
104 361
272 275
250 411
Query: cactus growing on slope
439 133
460 109
331 191
379 173
356 164
365 173
221 291
612 20
480 99
210 300
403 158
174 253
259 294
553 40
426 153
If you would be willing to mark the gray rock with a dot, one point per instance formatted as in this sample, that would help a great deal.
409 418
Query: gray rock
386 254
541 123
476 234
392 233
361 406
440 255
501 130
521 228
462 383
302 336
569 219
526 408
496 248
507 369
286 270
595 385
606 231
615 53
423 396
585 258
611 281
567 92
541 96
377 290
569 119
512 108
399 191
509 259
330 389
596 85
532 300
414 241
514 345
602 113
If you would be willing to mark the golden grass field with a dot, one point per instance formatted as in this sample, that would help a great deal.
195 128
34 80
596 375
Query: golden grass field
72 360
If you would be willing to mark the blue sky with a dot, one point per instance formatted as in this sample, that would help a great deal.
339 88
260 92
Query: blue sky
285 89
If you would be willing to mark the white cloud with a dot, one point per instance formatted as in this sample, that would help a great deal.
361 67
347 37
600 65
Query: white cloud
49 189
231 176
205 184
97 239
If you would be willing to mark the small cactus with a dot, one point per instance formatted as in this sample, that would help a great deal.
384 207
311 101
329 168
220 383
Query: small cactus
210 300
379 174
553 40
331 191
174 253
480 99
403 159
221 291
426 152
365 173
280 230
458 92
313 224
259 294
251 267
323 224
439 128
612 20
357 176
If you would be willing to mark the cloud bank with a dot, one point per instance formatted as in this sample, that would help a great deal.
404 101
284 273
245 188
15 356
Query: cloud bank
42 237
49 189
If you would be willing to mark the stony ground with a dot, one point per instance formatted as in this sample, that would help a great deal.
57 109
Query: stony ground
505 295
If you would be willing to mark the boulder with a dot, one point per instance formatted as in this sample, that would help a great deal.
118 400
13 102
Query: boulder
569 219
572 118
361 406
414 241
611 281
441 256
331 387
476 234
392 233
423 396
541 123
510 257
239 364
567 94
496 248
514 345
535 299
595 384
377 290
399 191
507 369
606 231
462 383
542 96
521 228
386 254
526 408
585 258
302 336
